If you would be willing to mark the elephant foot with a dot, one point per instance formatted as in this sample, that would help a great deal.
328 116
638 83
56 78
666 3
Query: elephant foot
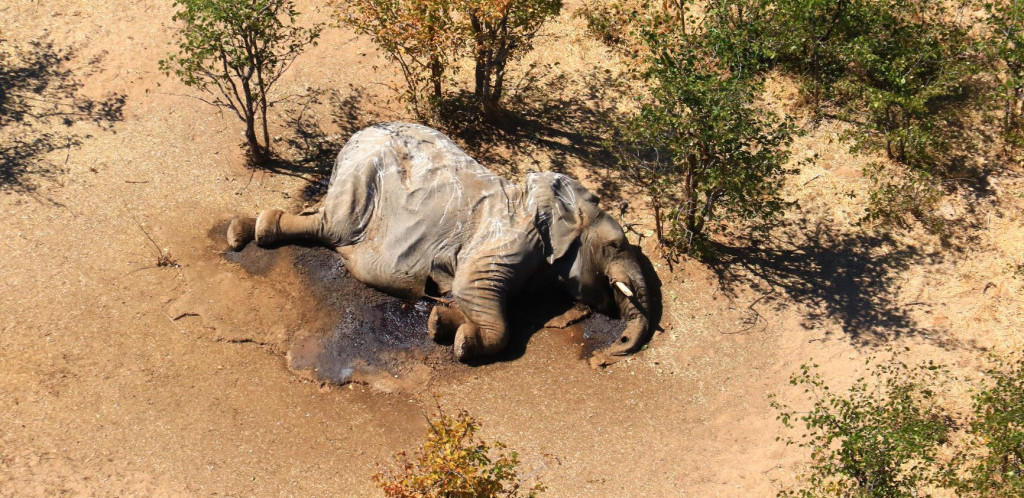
241 231
472 341
467 342
443 323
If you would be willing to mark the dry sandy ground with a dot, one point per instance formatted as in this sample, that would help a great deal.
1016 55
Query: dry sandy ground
121 378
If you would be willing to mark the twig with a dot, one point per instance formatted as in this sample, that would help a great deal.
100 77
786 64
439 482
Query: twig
136 181
162 259
815 177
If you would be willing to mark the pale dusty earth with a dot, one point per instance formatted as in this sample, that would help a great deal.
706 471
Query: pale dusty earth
120 377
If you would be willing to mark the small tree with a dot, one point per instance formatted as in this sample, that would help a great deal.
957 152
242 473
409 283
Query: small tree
426 36
420 35
236 50
501 31
699 147
453 463
877 439
1004 46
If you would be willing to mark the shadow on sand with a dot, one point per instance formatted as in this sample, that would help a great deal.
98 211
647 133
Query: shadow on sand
39 102
848 278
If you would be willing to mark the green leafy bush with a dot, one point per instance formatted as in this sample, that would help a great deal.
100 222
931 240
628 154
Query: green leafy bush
1003 45
894 68
879 438
453 463
897 71
993 466
882 436
235 51
700 148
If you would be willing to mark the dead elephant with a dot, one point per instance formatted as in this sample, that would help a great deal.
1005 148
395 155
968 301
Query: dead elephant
410 213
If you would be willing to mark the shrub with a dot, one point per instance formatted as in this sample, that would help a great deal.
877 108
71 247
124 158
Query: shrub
610 23
501 31
425 37
894 68
419 35
453 463
897 71
699 147
882 436
1004 47
879 438
993 466
235 51
896 196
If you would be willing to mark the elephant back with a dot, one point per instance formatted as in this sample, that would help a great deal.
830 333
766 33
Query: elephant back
408 201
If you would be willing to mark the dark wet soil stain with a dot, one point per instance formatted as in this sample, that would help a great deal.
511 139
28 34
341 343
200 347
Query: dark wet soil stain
598 332
372 331
365 333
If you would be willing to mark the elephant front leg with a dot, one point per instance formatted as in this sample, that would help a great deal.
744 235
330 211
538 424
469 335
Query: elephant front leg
443 323
482 301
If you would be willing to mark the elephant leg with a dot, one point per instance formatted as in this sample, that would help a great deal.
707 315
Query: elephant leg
484 333
444 322
241 232
273 227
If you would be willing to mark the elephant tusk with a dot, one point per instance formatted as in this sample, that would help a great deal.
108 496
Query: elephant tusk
625 290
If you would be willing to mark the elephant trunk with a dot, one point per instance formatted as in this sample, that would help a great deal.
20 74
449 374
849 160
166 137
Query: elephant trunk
630 290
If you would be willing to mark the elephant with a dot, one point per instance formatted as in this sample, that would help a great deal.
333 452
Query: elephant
411 214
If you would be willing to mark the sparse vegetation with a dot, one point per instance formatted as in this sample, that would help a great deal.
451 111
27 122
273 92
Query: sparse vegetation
454 463
882 437
898 71
235 52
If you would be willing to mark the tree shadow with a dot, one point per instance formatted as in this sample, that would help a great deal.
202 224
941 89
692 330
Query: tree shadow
545 122
39 101
314 146
848 278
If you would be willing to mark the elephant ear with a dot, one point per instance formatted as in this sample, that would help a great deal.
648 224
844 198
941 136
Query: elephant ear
561 210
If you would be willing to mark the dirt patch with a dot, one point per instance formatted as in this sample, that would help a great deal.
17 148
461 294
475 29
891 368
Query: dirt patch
302 303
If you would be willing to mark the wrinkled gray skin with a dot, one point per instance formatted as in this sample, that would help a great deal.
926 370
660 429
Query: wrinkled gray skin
410 213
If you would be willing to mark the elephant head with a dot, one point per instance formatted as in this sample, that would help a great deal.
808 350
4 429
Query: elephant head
590 254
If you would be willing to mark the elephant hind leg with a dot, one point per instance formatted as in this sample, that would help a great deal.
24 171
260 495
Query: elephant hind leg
241 232
275 227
